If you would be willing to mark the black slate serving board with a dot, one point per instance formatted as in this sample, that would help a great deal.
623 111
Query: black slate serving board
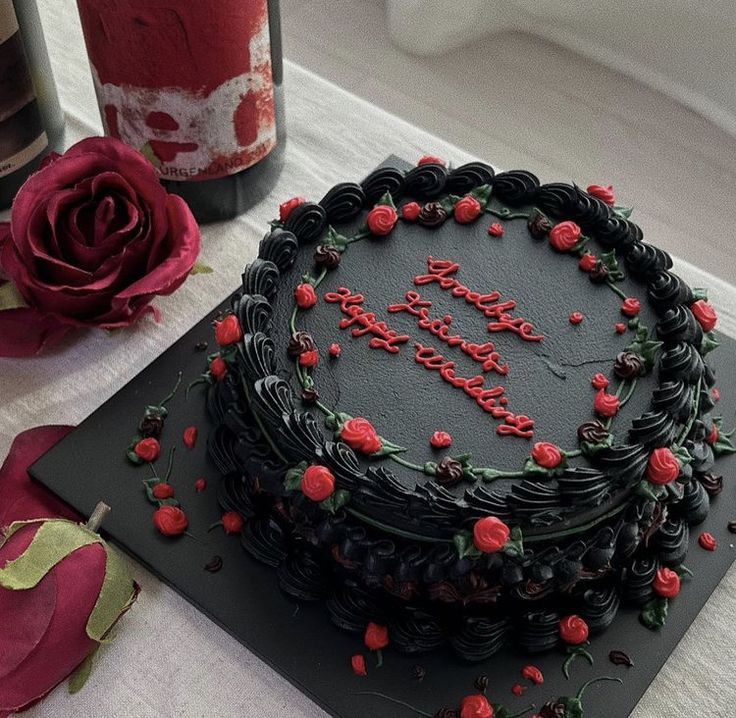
298 640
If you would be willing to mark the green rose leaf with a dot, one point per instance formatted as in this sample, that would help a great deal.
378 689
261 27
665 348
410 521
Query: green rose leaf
448 203
683 456
482 194
654 614
293 477
709 343
430 468
335 239
387 199
646 348
388 448
590 449
463 542
724 443
683 571
515 545
649 490
624 212
700 293
336 501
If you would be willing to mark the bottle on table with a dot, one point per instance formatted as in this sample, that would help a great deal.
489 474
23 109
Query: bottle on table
197 87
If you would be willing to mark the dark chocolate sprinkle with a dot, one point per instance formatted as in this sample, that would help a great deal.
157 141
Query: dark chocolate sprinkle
418 672
201 346
620 658
732 527
481 684
214 564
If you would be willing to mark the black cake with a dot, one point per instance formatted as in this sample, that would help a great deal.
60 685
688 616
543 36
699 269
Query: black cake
467 406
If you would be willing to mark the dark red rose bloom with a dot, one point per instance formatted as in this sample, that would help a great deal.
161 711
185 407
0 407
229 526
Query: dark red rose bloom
496 230
381 220
547 454
490 534
318 483
286 208
431 160
218 368
705 314
707 541
663 466
476 706
440 440
467 209
170 520
666 583
305 296
573 630
603 193
228 331
309 359
376 636
93 238
630 307
190 436
148 449
232 522
357 663
163 491
359 434
410 211
564 236
600 381
606 405
587 262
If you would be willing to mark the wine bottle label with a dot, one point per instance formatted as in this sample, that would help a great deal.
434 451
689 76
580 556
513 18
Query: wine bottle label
187 83
22 137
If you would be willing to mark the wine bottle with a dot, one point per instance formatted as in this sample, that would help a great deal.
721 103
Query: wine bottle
31 120
197 87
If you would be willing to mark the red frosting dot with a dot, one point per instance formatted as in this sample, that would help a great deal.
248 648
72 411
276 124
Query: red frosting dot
410 211
496 230
190 437
533 674
576 318
358 665
600 381
163 491
587 262
707 541
620 327
200 485
440 440
232 522
517 689
376 636
335 350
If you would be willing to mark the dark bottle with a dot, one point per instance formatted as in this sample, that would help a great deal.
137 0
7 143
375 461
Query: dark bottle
31 121
197 87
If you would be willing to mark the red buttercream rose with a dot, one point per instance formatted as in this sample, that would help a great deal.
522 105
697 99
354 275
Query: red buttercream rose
170 520
533 674
600 381
547 454
305 296
200 485
620 327
359 434
228 331
376 636
603 193
286 208
232 522
381 220
713 435
431 160
490 534
666 583
587 262
705 314
564 236
318 483
467 209
163 491
606 404
357 663
707 541
191 433
573 630
410 211
576 318
335 350
440 440
93 238
309 359
663 466
476 706
148 449
630 307
496 230
218 368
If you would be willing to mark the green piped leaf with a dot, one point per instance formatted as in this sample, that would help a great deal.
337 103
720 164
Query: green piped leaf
622 211
293 477
388 448
683 456
700 293
724 443
650 491
515 545
709 343
590 449
610 261
532 468
645 347
448 202
335 239
334 503
482 194
387 199
336 420
465 546
654 614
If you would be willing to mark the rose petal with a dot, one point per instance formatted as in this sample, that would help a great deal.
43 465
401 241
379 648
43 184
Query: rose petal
26 331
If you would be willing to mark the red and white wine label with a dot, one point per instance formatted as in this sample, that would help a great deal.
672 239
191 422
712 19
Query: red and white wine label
187 83
22 137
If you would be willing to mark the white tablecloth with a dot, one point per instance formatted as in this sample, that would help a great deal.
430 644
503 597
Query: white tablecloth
168 659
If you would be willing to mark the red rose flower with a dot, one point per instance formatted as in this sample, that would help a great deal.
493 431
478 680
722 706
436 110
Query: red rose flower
587 262
533 674
476 706
713 435
148 449
564 236
431 160
440 440
228 331
663 466
490 534
359 434
630 307
286 208
218 368
357 663
603 193
573 630
190 437
381 220
200 485
666 583
376 636
705 314
318 483
467 209
309 359
547 454
232 522
620 327
707 541
335 350
170 520
576 318
410 211
599 381
305 296
93 238
606 404
496 230
163 491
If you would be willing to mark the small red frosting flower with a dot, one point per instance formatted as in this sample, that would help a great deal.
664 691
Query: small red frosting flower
476 706
666 583
359 434
309 359
163 491
170 520
630 307
148 449
410 211
490 534
228 331
376 636
358 665
518 690
467 209
663 467
289 206
713 435
200 485
431 160
381 220
318 483
705 314
576 318
599 381
190 437
587 262
305 296
533 674
716 394
603 193
335 350
496 230
707 541
232 522
218 368
606 405
620 327
573 630
564 236
547 454
440 440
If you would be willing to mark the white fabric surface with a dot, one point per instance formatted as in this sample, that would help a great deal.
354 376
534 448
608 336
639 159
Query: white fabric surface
169 660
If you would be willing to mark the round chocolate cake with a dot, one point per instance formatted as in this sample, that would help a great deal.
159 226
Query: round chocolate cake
467 406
